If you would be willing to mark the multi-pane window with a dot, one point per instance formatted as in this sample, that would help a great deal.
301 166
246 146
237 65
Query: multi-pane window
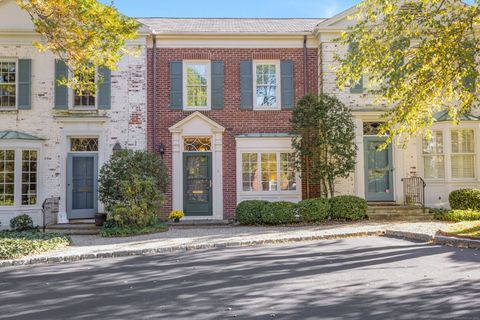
85 99
266 85
197 144
268 172
250 171
196 84
7 177
433 156
29 177
463 154
8 84
84 144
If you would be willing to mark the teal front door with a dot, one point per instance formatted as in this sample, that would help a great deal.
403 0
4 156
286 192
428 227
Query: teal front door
378 170
82 186
197 184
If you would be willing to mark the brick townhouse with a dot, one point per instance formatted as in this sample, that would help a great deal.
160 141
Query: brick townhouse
221 94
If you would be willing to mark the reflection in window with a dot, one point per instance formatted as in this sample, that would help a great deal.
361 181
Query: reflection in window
287 172
197 84
84 144
84 99
266 85
198 144
433 157
463 154
7 177
371 128
269 171
250 171
29 177
8 87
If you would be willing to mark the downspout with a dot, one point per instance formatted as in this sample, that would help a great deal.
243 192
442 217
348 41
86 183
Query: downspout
154 92
305 66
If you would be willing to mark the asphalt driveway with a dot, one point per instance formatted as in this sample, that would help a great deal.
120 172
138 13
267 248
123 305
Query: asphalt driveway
358 278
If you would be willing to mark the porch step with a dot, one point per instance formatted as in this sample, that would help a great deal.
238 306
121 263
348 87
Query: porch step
74 229
199 223
398 213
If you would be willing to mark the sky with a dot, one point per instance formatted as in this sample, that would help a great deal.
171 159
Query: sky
233 9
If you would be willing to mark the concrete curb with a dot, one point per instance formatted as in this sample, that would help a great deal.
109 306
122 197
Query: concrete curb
457 242
409 235
188 247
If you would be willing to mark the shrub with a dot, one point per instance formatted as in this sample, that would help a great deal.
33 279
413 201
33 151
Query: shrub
21 223
458 215
14 245
128 231
122 168
465 199
276 213
314 210
250 212
348 208
140 203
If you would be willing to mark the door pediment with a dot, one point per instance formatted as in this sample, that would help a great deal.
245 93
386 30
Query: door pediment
196 124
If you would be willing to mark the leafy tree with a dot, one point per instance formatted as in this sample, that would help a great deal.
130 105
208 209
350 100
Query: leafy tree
84 33
324 141
418 57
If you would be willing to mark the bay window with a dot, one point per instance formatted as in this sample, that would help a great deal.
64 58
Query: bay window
18 177
272 171
463 153
433 157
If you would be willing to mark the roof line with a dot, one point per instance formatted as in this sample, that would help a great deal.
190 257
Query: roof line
211 18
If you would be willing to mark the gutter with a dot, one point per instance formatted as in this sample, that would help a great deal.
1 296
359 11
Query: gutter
305 66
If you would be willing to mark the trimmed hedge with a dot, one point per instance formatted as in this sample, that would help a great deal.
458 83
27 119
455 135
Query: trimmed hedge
314 210
276 213
250 212
130 231
348 208
465 199
14 245
21 223
457 215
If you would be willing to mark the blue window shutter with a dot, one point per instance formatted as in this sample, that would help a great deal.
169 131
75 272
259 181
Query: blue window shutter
287 86
105 89
24 84
61 92
176 85
218 85
246 84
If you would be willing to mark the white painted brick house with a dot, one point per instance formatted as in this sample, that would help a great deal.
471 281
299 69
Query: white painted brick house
51 143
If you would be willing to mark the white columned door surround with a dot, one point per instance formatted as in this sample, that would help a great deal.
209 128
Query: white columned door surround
198 125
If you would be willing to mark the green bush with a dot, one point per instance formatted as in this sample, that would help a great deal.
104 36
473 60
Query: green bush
129 231
14 245
314 210
21 223
465 199
123 168
140 203
457 215
250 212
282 212
348 208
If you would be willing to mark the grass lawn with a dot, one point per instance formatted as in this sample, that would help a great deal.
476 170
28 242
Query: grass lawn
469 229
14 245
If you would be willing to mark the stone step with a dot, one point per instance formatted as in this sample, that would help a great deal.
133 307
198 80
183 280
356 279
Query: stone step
199 223
398 213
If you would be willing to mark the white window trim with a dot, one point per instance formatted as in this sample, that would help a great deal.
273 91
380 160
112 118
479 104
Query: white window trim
71 97
209 85
16 84
446 128
424 155
18 147
278 84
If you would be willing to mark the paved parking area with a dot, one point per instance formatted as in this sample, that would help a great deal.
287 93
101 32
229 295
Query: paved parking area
356 278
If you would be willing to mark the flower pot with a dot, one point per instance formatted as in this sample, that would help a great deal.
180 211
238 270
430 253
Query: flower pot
100 219
177 220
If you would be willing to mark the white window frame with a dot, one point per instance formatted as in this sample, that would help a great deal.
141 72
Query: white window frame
71 97
15 107
209 85
425 155
474 154
278 92
18 147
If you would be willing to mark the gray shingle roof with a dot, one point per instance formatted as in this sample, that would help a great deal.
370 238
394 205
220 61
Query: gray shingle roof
229 26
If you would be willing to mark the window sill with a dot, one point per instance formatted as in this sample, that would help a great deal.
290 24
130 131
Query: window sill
192 109
9 209
8 110
267 109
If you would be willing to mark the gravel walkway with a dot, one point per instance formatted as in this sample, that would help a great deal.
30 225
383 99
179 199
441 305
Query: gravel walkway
88 247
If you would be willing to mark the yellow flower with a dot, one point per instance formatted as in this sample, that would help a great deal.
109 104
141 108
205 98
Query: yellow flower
176 214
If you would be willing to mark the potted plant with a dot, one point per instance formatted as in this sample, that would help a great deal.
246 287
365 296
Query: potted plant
176 215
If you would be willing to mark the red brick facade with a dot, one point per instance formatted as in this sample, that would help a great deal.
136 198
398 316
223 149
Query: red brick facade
235 120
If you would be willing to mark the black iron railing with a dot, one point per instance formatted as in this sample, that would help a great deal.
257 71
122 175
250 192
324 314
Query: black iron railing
414 191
